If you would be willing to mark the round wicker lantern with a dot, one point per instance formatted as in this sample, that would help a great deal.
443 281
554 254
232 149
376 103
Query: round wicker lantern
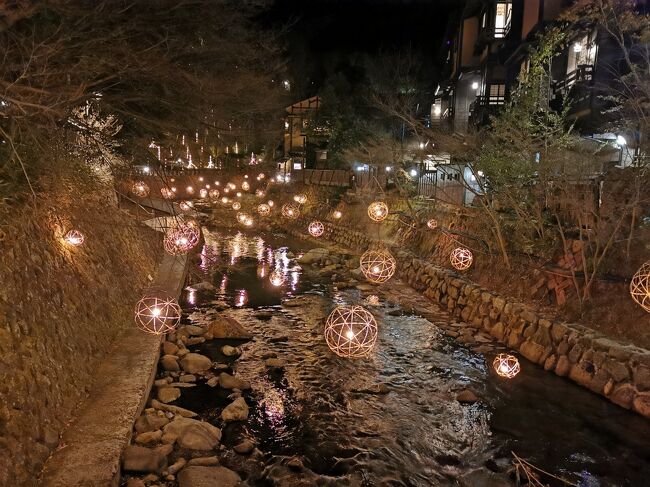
225 200
213 193
245 186
378 211
640 286
432 224
181 239
261 175
351 331
300 198
276 278
140 189
270 203
264 209
290 211
189 190
166 193
157 313
378 265
74 237
203 193
337 215
316 228
185 205
260 193
506 365
461 258
241 217
236 206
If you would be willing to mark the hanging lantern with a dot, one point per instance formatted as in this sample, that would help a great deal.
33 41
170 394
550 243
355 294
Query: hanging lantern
74 237
290 211
337 215
316 228
241 217
189 190
248 221
181 239
461 258
432 224
213 193
261 175
185 205
238 194
173 189
300 198
640 286
264 209
166 193
236 205
232 185
225 200
157 313
203 193
245 186
270 203
260 193
351 331
506 365
276 278
140 189
378 265
378 211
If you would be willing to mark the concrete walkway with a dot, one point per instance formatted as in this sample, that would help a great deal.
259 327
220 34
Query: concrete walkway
90 450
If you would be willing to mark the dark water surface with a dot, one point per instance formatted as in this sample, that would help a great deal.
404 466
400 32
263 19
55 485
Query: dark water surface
319 407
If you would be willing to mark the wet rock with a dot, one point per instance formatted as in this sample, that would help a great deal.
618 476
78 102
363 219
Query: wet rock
266 355
482 477
187 378
140 459
169 362
295 464
264 315
193 434
170 348
135 483
149 437
229 351
168 394
150 422
213 381
373 389
186 413
641 404
202 286
152 477
227 381
228 328
274 363
177 466
365 287
235 411
162 382
199 476
466 397
244 447
279 339
195 363
193 330
204 461
314 256
194 340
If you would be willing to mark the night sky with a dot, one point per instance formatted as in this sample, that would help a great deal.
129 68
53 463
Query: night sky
324 37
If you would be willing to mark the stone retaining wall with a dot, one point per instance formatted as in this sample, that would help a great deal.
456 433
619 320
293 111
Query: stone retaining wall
615 370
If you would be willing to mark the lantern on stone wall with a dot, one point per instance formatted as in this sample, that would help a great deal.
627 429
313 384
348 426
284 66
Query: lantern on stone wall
260 193
640 286
316 228
236 205
351 331
432 224
74 238
378 265
378 211
157 313
264 209
166 193
276 278
506 365
213 193
337 215
300 198
461 258
203 193
290 211
181 239
140 189
245 186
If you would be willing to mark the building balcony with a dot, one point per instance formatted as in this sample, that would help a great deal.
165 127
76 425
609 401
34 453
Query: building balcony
584 73
483 107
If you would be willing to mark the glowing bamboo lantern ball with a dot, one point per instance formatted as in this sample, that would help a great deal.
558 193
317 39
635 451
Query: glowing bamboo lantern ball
640 286
226 190
238 194
316 228
351 331
74 238
264 209
232 185
432 224
189 190
248 221
461 258
236 205
213 193
166 193
201 179
261 175
245 186
506 365
290 211
378 265
185 205
260 193
140 189
157 313
300 198
270 203
203 193
337 215
225 200
181 239
276 278
173 189
378 211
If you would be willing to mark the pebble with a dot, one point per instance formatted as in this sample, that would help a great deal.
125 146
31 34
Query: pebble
229 351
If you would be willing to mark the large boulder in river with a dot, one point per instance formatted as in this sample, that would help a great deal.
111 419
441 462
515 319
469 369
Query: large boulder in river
225 327
193 434
194 363
314 255
141 459
227 381
235 411
196 476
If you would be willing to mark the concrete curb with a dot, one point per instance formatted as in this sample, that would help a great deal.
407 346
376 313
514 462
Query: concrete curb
91 447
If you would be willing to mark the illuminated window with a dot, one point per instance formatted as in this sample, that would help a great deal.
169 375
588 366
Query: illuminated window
502 19
581 53
497 94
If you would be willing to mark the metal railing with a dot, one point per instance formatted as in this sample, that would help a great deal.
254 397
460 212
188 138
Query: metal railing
584 73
